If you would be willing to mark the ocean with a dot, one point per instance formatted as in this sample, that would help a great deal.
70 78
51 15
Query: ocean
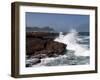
77 50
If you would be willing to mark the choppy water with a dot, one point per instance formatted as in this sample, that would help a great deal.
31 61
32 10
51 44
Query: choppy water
77 50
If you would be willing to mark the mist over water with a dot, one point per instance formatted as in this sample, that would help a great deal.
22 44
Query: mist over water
77 51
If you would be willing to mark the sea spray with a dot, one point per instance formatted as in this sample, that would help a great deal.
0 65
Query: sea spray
71 40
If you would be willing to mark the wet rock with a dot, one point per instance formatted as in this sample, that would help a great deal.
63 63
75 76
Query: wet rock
39 55
32 61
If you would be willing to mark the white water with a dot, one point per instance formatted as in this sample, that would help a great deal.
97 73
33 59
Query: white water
71 40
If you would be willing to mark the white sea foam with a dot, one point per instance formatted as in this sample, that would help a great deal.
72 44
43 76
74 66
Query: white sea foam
70 40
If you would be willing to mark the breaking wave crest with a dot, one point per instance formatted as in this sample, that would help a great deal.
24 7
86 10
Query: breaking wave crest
71 39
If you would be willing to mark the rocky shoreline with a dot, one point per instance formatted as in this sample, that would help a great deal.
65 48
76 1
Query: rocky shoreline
40 45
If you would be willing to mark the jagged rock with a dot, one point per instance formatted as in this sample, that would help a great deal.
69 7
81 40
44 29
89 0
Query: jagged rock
40 46
55 47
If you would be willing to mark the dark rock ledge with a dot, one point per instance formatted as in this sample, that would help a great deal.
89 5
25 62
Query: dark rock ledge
41 45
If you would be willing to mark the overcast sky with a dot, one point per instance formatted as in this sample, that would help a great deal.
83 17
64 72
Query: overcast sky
59 22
